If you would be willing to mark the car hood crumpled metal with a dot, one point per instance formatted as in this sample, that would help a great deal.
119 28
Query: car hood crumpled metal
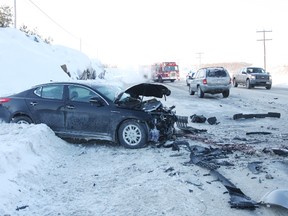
148 90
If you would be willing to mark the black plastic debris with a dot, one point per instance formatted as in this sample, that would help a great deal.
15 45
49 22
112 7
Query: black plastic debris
237 198
280 151
258 132
208 159
21 207
198 118
247 116
212 121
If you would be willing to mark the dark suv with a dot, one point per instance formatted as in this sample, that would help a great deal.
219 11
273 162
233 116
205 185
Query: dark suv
212 80
251 77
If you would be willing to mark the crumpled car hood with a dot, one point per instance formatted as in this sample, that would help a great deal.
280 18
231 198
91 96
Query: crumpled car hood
148 89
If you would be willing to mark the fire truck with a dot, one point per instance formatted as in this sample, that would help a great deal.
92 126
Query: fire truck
165 71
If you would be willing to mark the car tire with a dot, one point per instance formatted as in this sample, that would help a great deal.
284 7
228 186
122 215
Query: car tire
132 134
268 87
235 84
21 120
226 93
190 91
200 92
248 85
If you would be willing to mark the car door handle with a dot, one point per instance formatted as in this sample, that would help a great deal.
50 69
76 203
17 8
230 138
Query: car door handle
70 107
33 103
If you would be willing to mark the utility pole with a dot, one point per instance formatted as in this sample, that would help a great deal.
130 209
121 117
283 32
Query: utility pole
199 57
264 42
15 14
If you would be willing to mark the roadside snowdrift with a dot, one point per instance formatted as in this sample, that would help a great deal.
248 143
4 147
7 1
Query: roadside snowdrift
23 58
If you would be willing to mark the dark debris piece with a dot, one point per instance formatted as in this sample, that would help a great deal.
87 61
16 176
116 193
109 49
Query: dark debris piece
281 152
207 158
237 198
246 116
212 121
258 132
198 118
21 207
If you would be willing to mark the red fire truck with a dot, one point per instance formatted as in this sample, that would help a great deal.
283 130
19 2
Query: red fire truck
165 71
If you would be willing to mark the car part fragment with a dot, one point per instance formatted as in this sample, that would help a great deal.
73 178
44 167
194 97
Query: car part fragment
246 116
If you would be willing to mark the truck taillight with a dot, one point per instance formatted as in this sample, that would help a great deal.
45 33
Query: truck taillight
4 100
205 81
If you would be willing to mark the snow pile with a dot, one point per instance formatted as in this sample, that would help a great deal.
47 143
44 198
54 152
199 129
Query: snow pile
23 58
31 147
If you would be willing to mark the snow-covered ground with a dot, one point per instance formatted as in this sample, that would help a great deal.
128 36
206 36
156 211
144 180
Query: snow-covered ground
41 174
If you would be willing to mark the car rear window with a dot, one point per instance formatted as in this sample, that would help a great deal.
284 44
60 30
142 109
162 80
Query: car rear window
216 73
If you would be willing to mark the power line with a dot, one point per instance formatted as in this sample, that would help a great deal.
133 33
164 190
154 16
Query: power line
54 21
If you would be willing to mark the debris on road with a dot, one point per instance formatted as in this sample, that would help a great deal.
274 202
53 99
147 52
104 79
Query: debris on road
247 116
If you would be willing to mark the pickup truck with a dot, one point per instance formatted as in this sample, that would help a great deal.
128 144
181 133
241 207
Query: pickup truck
251 77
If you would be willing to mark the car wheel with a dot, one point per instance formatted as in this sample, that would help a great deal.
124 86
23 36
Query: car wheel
200 92
21 120
248 85
225 93
132 134
268 87
190 91
235 84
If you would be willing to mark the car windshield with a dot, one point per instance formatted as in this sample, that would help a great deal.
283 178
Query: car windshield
255 70
108 91
170 68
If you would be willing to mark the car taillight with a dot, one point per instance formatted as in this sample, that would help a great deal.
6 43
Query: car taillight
4 100
205 81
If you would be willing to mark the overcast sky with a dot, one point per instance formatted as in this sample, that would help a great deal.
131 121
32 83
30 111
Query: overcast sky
144 31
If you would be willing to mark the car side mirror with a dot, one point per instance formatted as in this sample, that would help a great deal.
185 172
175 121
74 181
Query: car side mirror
243 72
96 100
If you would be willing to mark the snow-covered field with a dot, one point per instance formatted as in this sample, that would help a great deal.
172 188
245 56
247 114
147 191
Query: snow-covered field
41 174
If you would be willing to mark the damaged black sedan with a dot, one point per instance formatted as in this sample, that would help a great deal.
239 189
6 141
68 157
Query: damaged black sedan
91 110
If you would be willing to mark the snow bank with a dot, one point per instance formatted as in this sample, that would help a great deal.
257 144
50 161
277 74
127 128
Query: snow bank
22 58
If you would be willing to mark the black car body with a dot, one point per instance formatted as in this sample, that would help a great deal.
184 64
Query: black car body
252 77
88 110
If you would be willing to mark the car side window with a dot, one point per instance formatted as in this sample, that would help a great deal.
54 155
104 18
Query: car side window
50 92
80 94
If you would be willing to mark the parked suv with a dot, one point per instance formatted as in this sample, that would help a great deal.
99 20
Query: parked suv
212 80
251 77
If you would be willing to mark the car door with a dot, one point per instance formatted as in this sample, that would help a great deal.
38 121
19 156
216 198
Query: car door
242 76
47 105
85 118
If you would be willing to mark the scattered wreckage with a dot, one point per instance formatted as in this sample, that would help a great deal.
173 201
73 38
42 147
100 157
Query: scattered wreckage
210 159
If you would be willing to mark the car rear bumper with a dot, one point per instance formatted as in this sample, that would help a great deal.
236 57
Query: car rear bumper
215 89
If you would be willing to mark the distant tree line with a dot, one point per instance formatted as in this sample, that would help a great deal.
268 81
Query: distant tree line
6 21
